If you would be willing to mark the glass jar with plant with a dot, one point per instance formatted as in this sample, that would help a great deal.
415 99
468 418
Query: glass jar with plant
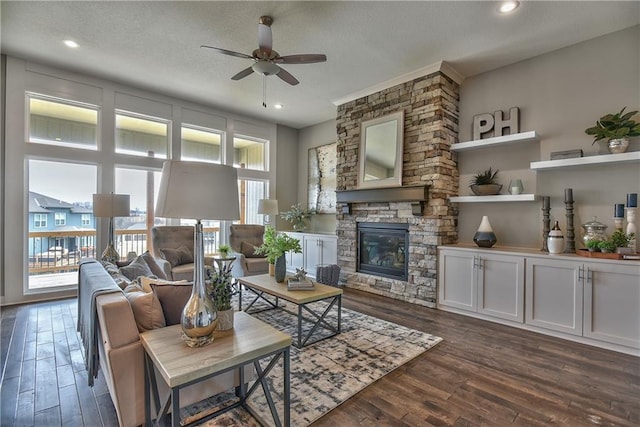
484 183
616 129
220 290
274 247
298 216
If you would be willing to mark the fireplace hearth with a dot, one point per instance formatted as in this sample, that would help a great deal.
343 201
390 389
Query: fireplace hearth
383 249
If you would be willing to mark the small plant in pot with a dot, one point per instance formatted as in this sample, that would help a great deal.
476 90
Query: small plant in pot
593 244
606 246
219 288
224 250
621 240
616 129
484 183
275 246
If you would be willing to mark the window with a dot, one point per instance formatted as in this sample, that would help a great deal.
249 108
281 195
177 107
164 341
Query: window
250 193
201 144
61 122
138 135
40 220
60 218
249 153
86 220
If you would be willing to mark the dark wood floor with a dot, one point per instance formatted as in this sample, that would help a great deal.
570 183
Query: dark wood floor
481 374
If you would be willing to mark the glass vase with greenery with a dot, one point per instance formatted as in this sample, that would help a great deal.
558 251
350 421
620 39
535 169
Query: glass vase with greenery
298 216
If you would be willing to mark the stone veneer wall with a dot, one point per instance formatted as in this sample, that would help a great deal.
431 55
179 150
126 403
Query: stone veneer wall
430 105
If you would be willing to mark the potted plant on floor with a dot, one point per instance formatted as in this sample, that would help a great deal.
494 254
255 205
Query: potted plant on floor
275 246
484 183
219 288
616 128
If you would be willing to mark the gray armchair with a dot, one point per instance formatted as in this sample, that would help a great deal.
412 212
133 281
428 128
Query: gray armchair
243 238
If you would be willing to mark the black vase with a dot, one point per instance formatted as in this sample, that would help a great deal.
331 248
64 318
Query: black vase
281 268
485 237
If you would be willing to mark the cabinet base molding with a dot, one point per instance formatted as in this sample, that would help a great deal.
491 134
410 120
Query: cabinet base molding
574 338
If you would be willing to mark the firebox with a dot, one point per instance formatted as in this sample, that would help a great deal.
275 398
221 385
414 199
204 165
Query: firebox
383 249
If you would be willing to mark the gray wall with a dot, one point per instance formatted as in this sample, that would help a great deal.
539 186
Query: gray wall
559 94
286 159
309 137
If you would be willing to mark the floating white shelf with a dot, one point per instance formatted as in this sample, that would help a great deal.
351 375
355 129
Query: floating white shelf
495 141
631 157
496 198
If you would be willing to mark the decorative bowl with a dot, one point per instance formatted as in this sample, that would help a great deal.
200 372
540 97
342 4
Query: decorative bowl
486 189
618 145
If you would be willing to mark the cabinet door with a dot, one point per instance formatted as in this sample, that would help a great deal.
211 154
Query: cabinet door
328 250
312 251
501 286
456 278
295 260
553 295
612 303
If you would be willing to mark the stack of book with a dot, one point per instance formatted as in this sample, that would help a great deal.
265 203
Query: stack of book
300 285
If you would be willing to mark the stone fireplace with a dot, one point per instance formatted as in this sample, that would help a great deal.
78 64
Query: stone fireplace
430 105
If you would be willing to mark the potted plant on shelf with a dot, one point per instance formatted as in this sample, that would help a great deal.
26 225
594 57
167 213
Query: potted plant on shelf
274 247
622 240
219 288
592 245
606 246
298 216
484 183
617 129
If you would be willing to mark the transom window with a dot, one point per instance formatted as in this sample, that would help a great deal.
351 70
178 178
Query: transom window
249 153
138 135
201 144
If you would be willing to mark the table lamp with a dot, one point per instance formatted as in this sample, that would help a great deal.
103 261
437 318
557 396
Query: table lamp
194 190
109 206
268 207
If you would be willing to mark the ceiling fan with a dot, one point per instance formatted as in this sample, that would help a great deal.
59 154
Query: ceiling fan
266 59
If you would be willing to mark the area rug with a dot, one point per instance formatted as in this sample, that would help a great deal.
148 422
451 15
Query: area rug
328 372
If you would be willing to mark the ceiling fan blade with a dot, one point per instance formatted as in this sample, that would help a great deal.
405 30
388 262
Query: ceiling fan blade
287 77
242 74
265 38
305 58
228 52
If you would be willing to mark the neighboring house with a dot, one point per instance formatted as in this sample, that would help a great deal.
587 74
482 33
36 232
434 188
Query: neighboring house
58 220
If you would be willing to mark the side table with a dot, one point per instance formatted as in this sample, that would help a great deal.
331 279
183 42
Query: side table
250 341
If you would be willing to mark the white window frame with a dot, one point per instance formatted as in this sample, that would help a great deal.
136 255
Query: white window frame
60 218
219 132
132 114
40 220
85 219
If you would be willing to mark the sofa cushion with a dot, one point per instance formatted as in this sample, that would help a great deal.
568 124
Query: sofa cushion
173 296
153 265
179 256
146 309
138 267
249 250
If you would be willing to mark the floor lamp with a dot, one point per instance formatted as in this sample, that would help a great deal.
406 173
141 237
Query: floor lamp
268 207
194 190
110 206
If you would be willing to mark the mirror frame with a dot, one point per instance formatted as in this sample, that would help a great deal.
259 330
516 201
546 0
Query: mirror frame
396 179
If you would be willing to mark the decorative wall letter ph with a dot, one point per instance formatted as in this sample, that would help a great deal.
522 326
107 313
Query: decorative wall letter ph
483 123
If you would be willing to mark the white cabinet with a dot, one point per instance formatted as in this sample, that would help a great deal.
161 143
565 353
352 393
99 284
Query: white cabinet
612 304
317 249
489 284
554 295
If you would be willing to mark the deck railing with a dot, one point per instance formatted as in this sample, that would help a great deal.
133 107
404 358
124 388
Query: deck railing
61 251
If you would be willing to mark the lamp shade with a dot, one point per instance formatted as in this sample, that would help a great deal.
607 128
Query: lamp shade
110 205
268 207
195 190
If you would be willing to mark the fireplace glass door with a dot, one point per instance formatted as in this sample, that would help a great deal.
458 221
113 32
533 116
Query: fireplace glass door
383 249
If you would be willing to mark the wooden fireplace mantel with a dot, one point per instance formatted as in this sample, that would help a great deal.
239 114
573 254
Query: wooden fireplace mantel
415 194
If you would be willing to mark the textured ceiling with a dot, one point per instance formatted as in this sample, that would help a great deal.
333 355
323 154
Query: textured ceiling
156 45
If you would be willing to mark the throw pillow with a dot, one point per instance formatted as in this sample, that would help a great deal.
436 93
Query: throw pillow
249 250
146 282
153 265
138 267
173 298
121 280
146 310
176 257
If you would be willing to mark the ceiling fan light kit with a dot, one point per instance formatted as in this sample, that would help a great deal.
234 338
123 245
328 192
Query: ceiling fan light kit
266 59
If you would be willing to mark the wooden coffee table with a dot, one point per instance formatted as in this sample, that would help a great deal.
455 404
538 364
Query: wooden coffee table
250 341
263 285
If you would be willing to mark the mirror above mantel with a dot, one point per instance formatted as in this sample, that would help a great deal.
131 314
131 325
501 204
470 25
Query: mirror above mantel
381 144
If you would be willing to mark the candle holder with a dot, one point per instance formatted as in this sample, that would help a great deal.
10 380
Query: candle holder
570 247
546 223
618 223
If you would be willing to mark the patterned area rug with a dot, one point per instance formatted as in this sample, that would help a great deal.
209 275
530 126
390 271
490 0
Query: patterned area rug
328 372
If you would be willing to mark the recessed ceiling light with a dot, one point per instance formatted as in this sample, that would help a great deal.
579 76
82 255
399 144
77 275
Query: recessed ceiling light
71 44
278 106
509 6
